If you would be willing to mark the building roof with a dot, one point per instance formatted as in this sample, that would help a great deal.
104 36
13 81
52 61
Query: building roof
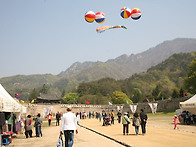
48 97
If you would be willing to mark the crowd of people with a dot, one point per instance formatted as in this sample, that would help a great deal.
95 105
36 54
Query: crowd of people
138 119
187 118
70 120
28 125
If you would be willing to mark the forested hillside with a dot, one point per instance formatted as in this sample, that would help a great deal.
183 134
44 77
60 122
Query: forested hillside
163 81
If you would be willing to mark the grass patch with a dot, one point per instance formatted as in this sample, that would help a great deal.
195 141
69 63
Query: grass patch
162 114
45 123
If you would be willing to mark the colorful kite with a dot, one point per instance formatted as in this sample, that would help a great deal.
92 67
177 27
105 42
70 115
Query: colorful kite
104 28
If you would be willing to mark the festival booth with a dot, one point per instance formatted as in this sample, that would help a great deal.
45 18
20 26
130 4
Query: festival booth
10 112
189 105
9 104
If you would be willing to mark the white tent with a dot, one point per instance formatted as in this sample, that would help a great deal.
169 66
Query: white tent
6 105
189 105
8 102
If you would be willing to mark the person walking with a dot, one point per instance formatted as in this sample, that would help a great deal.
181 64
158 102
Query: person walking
112 117
119 116
136 122
36 126
49 118
78 117
104 115
125 122
175 122
39 124
143 118
28 126
100 116
68 126
58 117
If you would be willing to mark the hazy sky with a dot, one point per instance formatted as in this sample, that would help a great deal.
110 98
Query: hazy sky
48 36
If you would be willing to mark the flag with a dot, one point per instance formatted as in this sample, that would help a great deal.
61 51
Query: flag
109 103
87 102
133 108
120 108
153 107
147 100
32 101
17 95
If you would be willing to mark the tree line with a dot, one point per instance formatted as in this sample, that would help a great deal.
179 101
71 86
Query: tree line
173 78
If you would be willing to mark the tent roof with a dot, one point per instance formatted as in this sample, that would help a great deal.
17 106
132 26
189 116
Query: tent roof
191 100
48 97
9 104
189 105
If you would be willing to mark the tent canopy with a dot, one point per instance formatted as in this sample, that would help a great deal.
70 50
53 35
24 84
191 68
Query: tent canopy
192 99
8 102
189 105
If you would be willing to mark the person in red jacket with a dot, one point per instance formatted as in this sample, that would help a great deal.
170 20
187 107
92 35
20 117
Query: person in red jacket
49 118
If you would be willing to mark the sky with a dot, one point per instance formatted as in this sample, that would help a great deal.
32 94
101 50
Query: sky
48 36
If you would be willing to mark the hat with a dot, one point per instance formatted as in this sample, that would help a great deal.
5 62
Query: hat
175 115
125 113
69 108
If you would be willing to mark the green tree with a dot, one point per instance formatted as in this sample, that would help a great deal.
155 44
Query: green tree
44 89
137 95
33 95
120 98
162 95
70 98
63 93
175 93
190 80
156 91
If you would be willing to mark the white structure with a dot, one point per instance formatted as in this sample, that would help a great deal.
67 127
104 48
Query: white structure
153 107
189 105
8 104
133 108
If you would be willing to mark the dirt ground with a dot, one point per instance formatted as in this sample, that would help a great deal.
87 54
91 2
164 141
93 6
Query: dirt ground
160 133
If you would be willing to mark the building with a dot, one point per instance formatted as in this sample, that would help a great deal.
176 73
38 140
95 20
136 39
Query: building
48 98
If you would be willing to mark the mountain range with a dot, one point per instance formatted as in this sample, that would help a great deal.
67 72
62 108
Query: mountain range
126 65
121 67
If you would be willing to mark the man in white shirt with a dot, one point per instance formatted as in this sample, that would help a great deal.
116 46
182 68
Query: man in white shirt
68 126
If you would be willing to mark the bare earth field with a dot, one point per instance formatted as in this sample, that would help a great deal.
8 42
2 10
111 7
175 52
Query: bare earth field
160 133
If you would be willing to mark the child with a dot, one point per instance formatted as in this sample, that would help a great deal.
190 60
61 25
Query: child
175 122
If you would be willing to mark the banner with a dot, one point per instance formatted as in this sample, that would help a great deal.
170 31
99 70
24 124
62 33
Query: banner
119 108
153 107
46 111
133 108
87 102
109 103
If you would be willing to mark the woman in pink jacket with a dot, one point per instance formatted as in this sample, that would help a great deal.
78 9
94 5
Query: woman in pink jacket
175 122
